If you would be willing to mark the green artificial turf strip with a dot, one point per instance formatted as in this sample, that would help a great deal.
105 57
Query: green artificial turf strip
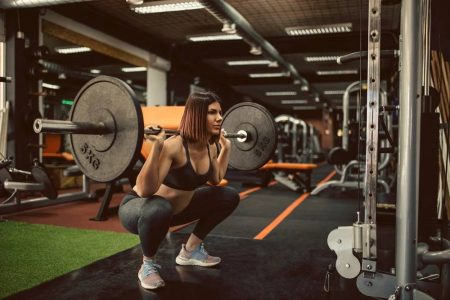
31 254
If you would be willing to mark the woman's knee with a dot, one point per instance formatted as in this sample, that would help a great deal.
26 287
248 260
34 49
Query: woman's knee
230 198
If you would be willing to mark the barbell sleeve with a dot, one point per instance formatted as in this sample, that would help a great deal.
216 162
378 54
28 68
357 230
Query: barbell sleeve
69 127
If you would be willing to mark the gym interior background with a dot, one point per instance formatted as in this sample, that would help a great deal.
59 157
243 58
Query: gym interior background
351 203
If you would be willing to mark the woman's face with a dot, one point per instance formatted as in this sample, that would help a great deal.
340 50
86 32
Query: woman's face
214 119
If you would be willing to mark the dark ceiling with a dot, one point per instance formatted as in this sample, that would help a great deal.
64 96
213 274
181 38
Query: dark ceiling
165 34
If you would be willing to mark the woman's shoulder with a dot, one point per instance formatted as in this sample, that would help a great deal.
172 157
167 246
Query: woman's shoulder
173 143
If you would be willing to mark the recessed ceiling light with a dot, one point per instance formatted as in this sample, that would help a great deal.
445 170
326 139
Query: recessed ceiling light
213 37
71 50
334 92
134 69
248 62
321 58
166 6
294 101
319 29
50 86
282 93
263 75
336 72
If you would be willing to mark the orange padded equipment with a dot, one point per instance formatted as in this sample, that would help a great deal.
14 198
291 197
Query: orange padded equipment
52 149
168 117
296 176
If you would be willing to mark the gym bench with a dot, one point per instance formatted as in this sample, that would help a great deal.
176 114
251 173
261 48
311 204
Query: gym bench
296 176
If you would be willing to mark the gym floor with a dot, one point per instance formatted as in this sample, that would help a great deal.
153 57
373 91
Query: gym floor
274 246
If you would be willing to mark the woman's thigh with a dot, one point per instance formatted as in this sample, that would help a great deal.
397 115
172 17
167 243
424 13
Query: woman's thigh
205 201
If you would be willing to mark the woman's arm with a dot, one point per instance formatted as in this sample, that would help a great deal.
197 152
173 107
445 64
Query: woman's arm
156 166
220 161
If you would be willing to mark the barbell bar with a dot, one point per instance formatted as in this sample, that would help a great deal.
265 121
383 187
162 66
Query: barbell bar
69 127
106 130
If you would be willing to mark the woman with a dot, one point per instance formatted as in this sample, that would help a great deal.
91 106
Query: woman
168 188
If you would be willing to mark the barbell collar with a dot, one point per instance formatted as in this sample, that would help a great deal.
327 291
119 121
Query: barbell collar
68 127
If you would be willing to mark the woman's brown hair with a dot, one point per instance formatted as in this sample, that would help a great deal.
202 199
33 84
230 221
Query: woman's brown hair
193 123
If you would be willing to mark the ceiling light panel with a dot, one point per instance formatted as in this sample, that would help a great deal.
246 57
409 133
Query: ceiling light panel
337 72
51 86
334 92
213 37
294 101
282 93
71 50
325 58
319 29
134 69
165 6
265 75
248 62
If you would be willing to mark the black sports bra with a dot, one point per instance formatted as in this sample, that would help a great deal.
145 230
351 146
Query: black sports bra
184 178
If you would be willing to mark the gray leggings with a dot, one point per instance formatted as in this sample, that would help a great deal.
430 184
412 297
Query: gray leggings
151 217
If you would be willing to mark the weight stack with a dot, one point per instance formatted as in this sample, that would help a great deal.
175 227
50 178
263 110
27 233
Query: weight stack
428 176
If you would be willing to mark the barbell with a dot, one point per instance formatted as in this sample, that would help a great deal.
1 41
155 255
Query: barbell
106 130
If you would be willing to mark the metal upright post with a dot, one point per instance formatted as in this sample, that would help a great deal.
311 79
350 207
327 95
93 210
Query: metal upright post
354 86
371 170
409 148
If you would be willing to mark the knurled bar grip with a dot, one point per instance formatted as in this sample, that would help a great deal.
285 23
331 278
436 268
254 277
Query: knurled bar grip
156 130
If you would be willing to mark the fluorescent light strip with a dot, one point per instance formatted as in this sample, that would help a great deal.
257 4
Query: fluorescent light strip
283 93
51 86
248 62
213 37
305 107
319 29
71 50
321 58
134 69
294 101
336 72
336 92
165 6
265 75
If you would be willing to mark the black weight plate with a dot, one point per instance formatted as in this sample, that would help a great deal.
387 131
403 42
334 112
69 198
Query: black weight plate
107 157
40 175
261 142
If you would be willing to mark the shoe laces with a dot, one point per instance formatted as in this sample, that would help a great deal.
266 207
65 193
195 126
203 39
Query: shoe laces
202 249
149 267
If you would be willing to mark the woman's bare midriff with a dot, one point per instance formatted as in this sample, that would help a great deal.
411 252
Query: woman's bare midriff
180 199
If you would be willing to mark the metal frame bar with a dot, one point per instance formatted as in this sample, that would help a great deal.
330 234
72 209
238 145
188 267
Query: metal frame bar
373 98
409 148
354 86
44 201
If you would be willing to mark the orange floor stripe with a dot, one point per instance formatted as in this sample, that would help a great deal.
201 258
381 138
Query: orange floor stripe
281 217
288 211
